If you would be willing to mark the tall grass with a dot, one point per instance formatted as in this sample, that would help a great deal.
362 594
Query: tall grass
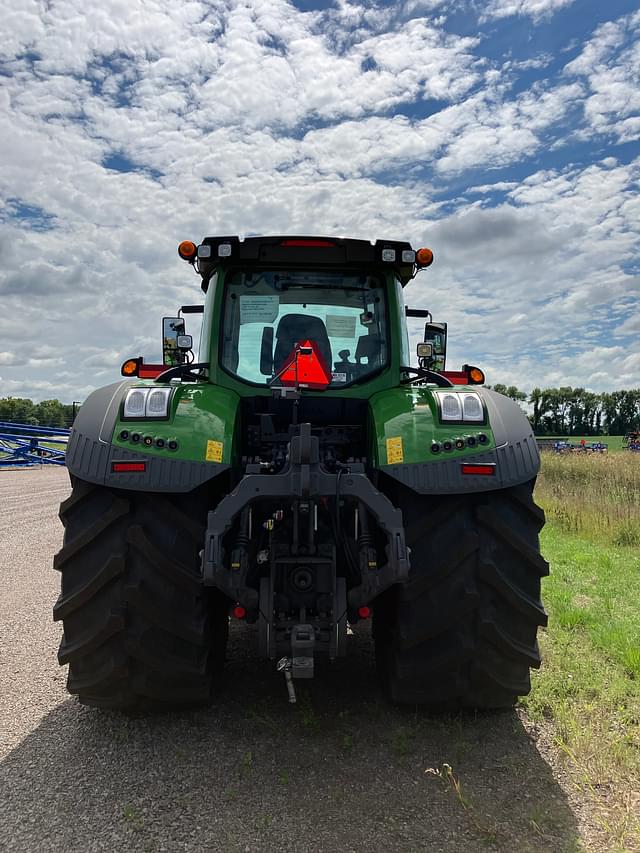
589 684
594 496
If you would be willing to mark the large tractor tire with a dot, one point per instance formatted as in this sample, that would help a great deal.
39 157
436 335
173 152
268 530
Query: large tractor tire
140 629
462 632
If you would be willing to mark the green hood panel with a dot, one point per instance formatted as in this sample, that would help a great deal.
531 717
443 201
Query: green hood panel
405 424
202 421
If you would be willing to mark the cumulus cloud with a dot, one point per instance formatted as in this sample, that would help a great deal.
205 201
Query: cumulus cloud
610 64
536 9
146 123
533 286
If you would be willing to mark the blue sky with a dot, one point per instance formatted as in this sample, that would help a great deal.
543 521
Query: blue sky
503 134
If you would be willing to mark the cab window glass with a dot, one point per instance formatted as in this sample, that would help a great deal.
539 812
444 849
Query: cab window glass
268 313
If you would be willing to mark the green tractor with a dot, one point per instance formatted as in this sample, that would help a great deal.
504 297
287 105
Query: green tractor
302 476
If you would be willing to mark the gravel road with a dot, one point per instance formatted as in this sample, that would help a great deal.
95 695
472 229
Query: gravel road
340 771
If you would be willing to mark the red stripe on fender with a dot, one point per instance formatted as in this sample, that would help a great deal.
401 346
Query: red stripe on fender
128 467
486 470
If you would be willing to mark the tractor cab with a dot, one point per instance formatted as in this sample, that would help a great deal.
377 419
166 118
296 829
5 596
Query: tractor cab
309 313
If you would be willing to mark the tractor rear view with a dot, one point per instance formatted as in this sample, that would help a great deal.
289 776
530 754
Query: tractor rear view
302 475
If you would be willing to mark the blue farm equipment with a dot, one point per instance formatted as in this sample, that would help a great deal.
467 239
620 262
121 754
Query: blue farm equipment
25 445
632 441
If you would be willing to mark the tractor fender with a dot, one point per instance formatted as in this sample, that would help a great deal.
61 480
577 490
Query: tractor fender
91 452
513 456
508 422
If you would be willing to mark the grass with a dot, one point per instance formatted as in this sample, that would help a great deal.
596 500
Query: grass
483 825
133 817
589 685
613 442
593 496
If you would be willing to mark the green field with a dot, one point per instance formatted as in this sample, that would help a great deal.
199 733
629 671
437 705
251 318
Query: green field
589 684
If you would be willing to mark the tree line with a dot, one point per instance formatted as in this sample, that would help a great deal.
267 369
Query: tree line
576 411
556 411
50 413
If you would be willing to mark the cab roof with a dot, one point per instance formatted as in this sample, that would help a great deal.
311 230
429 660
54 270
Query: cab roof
325 252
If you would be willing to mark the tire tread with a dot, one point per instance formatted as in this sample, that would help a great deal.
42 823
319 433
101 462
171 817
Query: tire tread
140 629
462 632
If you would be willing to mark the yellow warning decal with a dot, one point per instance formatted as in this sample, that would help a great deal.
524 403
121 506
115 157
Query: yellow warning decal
395 453
214 451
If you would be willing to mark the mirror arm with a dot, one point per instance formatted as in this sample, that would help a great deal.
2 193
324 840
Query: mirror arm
425 375
183 371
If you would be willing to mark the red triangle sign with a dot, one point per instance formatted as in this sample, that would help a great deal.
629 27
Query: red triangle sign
306 370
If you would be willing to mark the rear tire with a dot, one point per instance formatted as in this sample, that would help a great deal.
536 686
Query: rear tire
462 632
140 629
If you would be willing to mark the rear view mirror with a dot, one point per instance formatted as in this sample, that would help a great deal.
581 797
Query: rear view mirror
266 352
172 327
436 335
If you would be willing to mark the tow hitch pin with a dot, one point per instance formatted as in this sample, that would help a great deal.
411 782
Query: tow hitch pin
284 665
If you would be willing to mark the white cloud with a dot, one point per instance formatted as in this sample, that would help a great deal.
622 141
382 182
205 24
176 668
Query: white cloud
536 9
539 275
610 65
499 186
364 120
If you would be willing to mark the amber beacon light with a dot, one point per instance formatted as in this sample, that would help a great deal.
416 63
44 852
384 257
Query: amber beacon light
130 367
187 250
476 376
424 257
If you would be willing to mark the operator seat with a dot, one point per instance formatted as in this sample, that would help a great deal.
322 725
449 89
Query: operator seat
298 328
369 347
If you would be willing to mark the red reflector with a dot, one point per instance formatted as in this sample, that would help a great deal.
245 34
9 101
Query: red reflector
306 369
364 612
128 467
239 612
482 470
318 244
456 377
